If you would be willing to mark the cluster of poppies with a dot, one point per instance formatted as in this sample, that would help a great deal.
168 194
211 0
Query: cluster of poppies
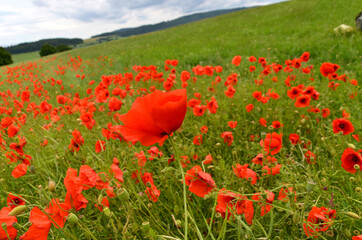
157 112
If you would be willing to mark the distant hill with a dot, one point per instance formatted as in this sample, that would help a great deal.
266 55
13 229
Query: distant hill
35 46
124 32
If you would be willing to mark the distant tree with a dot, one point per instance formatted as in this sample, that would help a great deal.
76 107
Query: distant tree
5 57
46 50
63 47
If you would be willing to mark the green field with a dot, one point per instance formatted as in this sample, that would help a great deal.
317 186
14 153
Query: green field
269 153
25 57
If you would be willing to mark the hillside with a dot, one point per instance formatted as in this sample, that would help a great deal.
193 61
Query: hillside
124 32
284 30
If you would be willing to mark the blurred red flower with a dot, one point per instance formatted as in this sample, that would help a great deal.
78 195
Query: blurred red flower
349 159
154 116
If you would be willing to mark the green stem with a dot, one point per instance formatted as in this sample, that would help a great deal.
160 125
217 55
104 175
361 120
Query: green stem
183 183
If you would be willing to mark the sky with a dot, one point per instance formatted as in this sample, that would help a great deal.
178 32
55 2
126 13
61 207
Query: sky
32 20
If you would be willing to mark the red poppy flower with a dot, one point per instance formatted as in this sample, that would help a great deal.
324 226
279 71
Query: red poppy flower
212 106
272 143
262 122
8 221
258 159
325 112
232 124
199 182
236 60
230 91
232 203
100 146
228 137
74 186
305 57
349 159
294 138
328 68
154 116
208 159
199 110
252 59
284 192
19 170
249 107
276 124
204 129
198 140
114 104
302 101
40 226
242 171
153 193
319 220
14 201
342 125
265 204
310 157
57 212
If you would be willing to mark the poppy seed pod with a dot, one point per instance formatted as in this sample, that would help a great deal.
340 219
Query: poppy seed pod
72 218
122 194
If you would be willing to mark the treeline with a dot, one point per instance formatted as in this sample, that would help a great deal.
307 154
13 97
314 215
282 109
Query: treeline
36 46
124 32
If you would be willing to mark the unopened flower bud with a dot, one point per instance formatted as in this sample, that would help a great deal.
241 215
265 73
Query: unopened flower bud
145 226
72 218
106 211
310 186
350 145
51 186
347 233
122 194
353 215
17 210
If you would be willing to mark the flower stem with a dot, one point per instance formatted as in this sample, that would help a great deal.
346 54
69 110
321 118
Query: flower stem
177 156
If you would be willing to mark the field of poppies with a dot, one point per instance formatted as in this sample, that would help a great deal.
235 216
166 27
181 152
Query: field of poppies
252 149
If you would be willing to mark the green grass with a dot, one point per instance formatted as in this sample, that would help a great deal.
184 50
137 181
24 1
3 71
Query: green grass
278 32
25 57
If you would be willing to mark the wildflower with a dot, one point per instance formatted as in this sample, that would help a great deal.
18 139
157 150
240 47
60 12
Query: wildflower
294 138
319 220
236 60
199 182
272 143
228 137
349 159
40 226
342 125
153 117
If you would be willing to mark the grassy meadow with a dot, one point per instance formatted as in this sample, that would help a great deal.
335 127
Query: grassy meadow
231 147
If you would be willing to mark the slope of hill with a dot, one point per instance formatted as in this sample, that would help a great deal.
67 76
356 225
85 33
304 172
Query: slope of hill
124 32
284 30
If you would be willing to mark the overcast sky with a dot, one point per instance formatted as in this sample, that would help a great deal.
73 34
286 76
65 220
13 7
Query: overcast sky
32 20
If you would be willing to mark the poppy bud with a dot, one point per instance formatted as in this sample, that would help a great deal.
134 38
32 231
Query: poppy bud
31 169
51 186
347 233
106 211
123 194
145 226
99 199
72 218
330 233
353 215
178 223
310 186
17 210
3 226
295 218
303 121
350 145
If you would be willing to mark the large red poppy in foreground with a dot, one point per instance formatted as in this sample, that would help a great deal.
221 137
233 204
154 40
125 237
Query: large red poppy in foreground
154 116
